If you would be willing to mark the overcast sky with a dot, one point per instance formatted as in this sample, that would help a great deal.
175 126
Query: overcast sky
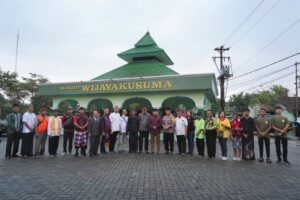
73 40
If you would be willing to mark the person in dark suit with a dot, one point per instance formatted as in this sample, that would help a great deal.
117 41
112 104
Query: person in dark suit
14 127
94 129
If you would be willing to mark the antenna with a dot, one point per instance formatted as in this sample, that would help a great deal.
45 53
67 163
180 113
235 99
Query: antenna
17 51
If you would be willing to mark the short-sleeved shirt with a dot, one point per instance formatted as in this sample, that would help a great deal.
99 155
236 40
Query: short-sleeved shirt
263 124
81 121
199 128
29 118
115 121
181 124
280 122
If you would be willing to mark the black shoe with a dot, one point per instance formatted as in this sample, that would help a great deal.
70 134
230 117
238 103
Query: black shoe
260 160
286 162
178 154
7 157
269 160
167 152
147 152
279 161
140 152
15 156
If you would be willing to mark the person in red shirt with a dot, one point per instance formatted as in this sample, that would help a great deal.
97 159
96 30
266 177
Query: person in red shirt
236 137
81 122
68 125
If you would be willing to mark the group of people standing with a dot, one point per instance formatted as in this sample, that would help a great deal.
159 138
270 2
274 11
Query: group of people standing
110 130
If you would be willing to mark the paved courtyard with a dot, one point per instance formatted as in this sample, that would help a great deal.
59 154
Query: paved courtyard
141 176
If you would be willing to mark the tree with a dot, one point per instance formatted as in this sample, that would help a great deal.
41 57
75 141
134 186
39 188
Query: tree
268 97
242 101
23 91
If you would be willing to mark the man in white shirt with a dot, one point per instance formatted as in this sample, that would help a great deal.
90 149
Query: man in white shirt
114 118
181 132
28 132
123 130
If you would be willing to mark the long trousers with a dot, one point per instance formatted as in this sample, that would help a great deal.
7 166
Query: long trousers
27 144
144 135
94 144
200 146
190 138
284 142
181 142
223 144
13 141
169 142
155 140
68 138
39 143
133 141
112 141
53 145
261 141
211 136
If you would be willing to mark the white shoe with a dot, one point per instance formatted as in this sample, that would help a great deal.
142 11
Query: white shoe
64 153
238 159
234 158
224 158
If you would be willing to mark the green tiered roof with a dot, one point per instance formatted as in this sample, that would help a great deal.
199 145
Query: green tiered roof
145 59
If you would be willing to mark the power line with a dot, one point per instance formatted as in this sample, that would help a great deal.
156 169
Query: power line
253 25
263 67
243 22
278 78
273 40
265 75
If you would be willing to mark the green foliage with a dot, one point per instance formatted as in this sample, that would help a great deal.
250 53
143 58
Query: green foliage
244 100
23 91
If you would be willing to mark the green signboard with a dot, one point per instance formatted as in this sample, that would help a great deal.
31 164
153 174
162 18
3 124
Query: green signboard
175 83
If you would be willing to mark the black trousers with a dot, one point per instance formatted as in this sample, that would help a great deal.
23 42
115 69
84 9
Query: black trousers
169 142
94 144
200 146
13 140
223 145
261 141
133 141
181 142
102 148
144 135
211 136
27 144
53 144
112 141
68 138
284 142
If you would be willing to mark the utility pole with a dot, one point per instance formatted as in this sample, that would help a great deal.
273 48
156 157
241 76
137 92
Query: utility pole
296 84
17 51
224 71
